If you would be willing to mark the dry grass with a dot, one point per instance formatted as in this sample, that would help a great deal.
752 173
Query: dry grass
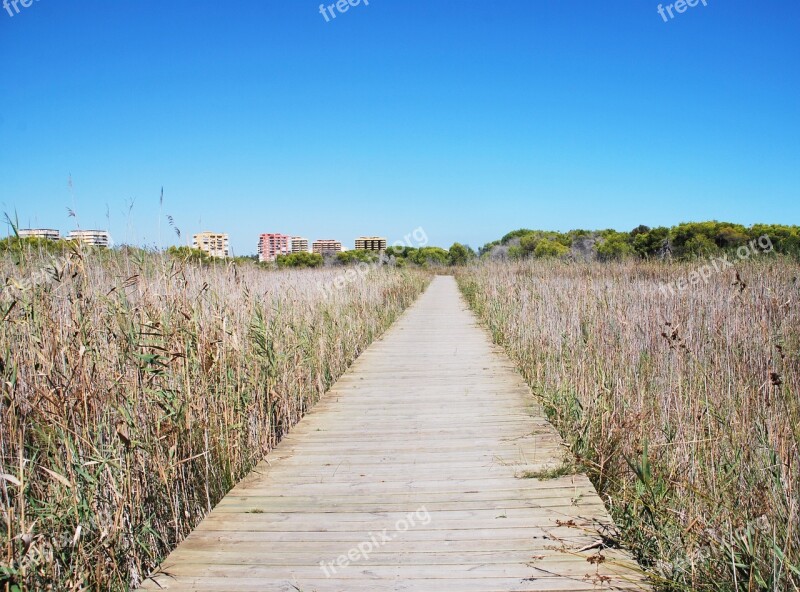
684 408
136 392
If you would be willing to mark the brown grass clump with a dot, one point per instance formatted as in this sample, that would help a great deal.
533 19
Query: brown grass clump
136 391
684 405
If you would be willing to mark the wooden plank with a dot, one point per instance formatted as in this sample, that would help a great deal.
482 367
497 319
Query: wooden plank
369 583
417 452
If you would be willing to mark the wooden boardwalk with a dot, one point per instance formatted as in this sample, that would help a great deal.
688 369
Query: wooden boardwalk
409 476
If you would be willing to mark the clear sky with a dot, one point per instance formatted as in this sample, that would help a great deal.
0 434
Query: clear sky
465 118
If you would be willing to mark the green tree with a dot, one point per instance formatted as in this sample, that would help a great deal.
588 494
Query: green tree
650 242
547 248
699 246
190 255
357 256
731 236
694 239
529 242
615 246
300 260
515 234
460 254
30 245
427 256
485 249
784 239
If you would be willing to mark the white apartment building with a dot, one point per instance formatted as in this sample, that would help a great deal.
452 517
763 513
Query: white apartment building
93 238
47 233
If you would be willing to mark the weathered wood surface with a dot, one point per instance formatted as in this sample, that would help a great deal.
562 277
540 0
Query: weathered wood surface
431 429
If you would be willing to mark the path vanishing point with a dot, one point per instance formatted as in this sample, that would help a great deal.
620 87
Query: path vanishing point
410 475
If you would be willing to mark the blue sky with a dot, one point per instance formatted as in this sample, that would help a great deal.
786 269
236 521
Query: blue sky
466 118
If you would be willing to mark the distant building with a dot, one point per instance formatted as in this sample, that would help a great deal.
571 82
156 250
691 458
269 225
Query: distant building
326 246
93 238
273 244
47 233
299 244
212 243
371 243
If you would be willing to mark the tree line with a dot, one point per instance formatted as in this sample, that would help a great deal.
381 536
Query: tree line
688 240
457 254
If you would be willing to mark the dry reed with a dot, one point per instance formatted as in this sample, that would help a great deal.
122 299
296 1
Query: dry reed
136 391
682 406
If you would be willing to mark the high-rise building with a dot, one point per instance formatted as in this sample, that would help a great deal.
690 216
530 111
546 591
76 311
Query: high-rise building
326 246
213 243
273 244
371 243
47 233
299 244
93 238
